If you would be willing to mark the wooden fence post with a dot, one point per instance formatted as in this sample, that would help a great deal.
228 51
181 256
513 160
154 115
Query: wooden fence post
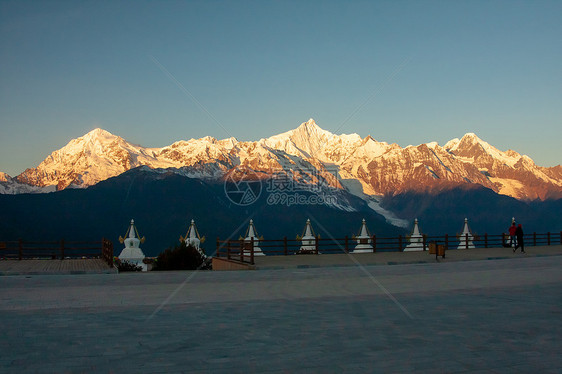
375 243
107 251
486 240
424 241
466 240
399 243
316 244
346 244
285 251
110 252
20 250
548 237
534 239
252 253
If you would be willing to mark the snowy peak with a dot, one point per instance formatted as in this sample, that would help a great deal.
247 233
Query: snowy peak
97 142
470 148
366 150
467 141
471 141
311 141
4 177
310 138
97 134
304 141
192 151
86 160
96 139
311 130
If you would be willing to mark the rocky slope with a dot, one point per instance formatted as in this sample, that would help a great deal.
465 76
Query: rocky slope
10 186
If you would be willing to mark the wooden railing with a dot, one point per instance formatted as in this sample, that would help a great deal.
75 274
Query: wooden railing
243 251
107 251
62 249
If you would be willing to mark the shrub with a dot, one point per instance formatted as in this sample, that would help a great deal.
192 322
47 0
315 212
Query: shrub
124 266
181 257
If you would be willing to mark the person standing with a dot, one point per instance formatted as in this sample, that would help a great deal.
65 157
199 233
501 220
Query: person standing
519 235
512 230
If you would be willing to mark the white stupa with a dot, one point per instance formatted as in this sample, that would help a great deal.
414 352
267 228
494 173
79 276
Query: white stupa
192 238
252 233
132 252
416 239
462 237
308 239
364 241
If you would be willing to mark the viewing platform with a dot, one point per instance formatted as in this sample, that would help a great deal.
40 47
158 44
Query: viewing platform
396 258
325 252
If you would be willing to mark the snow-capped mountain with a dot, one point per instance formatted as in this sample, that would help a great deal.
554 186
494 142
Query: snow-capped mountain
363 166
511 173
85 161
309 141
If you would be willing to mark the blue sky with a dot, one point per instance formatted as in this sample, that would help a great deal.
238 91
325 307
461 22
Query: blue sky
155 72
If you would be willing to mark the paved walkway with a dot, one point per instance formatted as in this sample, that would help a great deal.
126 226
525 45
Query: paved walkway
394 258
476 316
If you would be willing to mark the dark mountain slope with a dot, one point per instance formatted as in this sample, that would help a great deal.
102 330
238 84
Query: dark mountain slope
162 204
444 211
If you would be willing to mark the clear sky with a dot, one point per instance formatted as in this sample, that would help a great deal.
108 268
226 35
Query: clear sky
155 72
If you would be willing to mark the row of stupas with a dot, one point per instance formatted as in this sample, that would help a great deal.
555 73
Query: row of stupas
364 239
134 255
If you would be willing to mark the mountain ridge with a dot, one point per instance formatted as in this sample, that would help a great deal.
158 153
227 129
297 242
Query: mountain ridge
308 154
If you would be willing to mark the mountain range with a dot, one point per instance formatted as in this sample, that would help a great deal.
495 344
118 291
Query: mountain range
388 184
363 166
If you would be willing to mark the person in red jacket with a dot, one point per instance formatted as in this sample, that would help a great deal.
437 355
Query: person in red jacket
512 230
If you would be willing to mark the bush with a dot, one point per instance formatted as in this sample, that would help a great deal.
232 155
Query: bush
181 257
124 266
